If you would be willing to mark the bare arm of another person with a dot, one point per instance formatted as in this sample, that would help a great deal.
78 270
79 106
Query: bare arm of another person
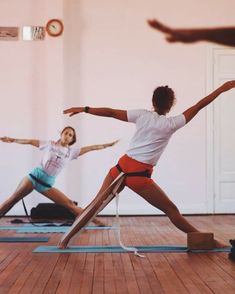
20 141
220 35
96 147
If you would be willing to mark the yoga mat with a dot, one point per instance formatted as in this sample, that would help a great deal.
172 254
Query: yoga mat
46 228
23 239
118 249
6 228
29 228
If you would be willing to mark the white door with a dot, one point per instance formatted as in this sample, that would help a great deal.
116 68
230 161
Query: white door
222 133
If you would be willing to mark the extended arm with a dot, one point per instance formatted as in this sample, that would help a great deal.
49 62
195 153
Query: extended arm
96 147
20 141
107 112
223 36
192 111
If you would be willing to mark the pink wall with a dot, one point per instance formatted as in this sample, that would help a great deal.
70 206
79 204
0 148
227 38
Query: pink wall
108 56
31 89
114 59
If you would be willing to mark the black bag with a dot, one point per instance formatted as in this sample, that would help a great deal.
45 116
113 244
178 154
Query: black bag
232 251
51 211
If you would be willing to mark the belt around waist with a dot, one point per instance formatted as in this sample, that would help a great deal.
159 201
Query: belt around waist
144 173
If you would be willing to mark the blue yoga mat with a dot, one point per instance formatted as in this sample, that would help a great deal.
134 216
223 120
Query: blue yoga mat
44 228
118 249
61 229
23 239
12 228
29 228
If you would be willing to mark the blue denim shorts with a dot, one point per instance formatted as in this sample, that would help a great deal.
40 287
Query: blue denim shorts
41 180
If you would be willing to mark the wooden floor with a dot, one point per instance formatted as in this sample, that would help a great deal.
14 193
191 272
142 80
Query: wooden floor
22 271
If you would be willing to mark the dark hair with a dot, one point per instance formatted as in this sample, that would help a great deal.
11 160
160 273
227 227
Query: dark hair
163 99
74 134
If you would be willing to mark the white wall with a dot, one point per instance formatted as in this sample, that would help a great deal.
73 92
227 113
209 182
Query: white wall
108 56
31 89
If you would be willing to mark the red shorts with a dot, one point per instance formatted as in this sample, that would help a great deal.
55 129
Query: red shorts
135 183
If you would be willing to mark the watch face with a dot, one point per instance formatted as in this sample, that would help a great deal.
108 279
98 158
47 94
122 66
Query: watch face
54 27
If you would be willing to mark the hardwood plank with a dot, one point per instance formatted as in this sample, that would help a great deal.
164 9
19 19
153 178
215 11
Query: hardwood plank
11 273
98 284
109 280
56 275
121 272
45 273
25 276
207 275
167 277
189 278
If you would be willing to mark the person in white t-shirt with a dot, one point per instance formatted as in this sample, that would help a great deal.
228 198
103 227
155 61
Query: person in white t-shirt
42 178
153 132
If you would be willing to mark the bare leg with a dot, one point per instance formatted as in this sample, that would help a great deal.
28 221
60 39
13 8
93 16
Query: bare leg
90 211
60 198
24 188
156 197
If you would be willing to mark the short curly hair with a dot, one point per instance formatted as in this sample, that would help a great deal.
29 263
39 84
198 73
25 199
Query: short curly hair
163 99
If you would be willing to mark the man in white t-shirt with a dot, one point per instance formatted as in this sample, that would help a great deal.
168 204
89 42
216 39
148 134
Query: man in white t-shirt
153 132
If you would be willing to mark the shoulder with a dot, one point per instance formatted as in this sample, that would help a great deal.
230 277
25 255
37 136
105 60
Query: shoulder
45 143
74 151
177 121
134 114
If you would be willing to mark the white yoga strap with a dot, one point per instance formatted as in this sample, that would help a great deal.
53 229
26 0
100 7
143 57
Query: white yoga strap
114 193
118 231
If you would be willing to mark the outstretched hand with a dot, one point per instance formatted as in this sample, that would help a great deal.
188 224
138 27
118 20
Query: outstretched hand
173 35
227 86
159 26
7 139
111 144
74 110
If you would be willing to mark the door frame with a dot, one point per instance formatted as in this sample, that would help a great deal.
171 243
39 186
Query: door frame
210 129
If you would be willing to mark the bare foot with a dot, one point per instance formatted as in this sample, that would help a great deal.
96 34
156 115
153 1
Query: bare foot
218 244
62 245
99 223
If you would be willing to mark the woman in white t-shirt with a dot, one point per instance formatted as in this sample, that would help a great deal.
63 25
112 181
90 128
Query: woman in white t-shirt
153 132
42 178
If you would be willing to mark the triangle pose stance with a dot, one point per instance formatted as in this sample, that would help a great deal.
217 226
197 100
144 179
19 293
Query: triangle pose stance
153 131
42 178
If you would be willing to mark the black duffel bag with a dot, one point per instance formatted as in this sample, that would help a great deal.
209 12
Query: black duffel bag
51 211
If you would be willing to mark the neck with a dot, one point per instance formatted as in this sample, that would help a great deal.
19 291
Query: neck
63 144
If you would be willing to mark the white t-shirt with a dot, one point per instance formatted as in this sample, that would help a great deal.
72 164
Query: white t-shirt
153 132
55 156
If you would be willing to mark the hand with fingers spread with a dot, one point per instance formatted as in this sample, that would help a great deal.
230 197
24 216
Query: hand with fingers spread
7 139
73 110
223 36
227 86
111 144
173 35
